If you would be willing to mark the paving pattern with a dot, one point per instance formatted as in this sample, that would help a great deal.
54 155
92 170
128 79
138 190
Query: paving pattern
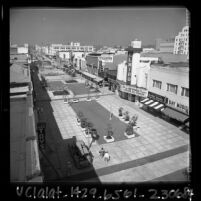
160 149
154 138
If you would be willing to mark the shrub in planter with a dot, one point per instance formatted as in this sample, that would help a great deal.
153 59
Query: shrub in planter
126 116
129 130
134 120
109 132
121 111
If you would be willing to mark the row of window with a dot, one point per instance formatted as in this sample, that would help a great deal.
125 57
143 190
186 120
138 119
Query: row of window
74 48
171 88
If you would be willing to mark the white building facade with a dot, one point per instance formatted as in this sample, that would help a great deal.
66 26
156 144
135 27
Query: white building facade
181 44
71 47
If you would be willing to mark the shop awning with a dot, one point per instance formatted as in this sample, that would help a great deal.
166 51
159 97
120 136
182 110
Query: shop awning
175 114
160 106
148 102
153 104
146 99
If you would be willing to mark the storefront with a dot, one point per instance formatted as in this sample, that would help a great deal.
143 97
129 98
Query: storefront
132 93
154 103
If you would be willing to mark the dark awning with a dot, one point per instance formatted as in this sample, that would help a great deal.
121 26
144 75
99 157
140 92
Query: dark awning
175 114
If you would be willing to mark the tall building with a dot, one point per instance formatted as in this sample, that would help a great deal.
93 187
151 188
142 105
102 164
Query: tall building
187 18
181 44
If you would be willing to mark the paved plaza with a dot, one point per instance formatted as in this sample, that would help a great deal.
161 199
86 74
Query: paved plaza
161 149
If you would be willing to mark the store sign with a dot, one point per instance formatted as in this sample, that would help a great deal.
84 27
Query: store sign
156 97
183 108
106 58
134 90
41 135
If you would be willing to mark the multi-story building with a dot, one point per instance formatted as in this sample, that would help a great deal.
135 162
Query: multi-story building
24 153
181 44
70 47
132 75
168 90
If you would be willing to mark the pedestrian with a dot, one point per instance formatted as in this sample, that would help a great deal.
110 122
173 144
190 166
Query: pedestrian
69 168
106 156
102 152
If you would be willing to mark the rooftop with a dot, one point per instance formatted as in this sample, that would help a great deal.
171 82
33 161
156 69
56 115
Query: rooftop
19 73
24 159
117 59
167 57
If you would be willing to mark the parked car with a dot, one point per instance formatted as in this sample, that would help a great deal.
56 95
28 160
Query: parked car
75 100
81 154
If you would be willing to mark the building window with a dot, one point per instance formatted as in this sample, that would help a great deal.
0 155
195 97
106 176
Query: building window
172 88
184 92
157 84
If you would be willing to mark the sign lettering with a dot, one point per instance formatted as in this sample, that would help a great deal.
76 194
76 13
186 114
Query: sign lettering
134 90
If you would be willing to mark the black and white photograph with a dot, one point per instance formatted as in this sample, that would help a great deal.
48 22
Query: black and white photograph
99 94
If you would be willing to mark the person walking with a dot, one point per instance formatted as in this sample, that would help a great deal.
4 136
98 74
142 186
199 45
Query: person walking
106 157
102 152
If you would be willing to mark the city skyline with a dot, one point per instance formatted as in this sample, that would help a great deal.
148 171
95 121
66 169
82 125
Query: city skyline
95 26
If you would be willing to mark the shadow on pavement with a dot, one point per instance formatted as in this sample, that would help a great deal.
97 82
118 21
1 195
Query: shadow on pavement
55 156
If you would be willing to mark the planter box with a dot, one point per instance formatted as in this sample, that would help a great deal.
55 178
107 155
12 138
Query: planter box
129 136
108 140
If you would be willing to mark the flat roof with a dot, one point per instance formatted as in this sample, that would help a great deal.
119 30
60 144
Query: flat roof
24 160
167 57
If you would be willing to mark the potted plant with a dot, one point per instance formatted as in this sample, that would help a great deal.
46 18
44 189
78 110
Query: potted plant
129 132
121 111
127 117
109 137
134 120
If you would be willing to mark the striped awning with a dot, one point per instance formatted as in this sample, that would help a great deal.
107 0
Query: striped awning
153 104
148 102
146 99
160 106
